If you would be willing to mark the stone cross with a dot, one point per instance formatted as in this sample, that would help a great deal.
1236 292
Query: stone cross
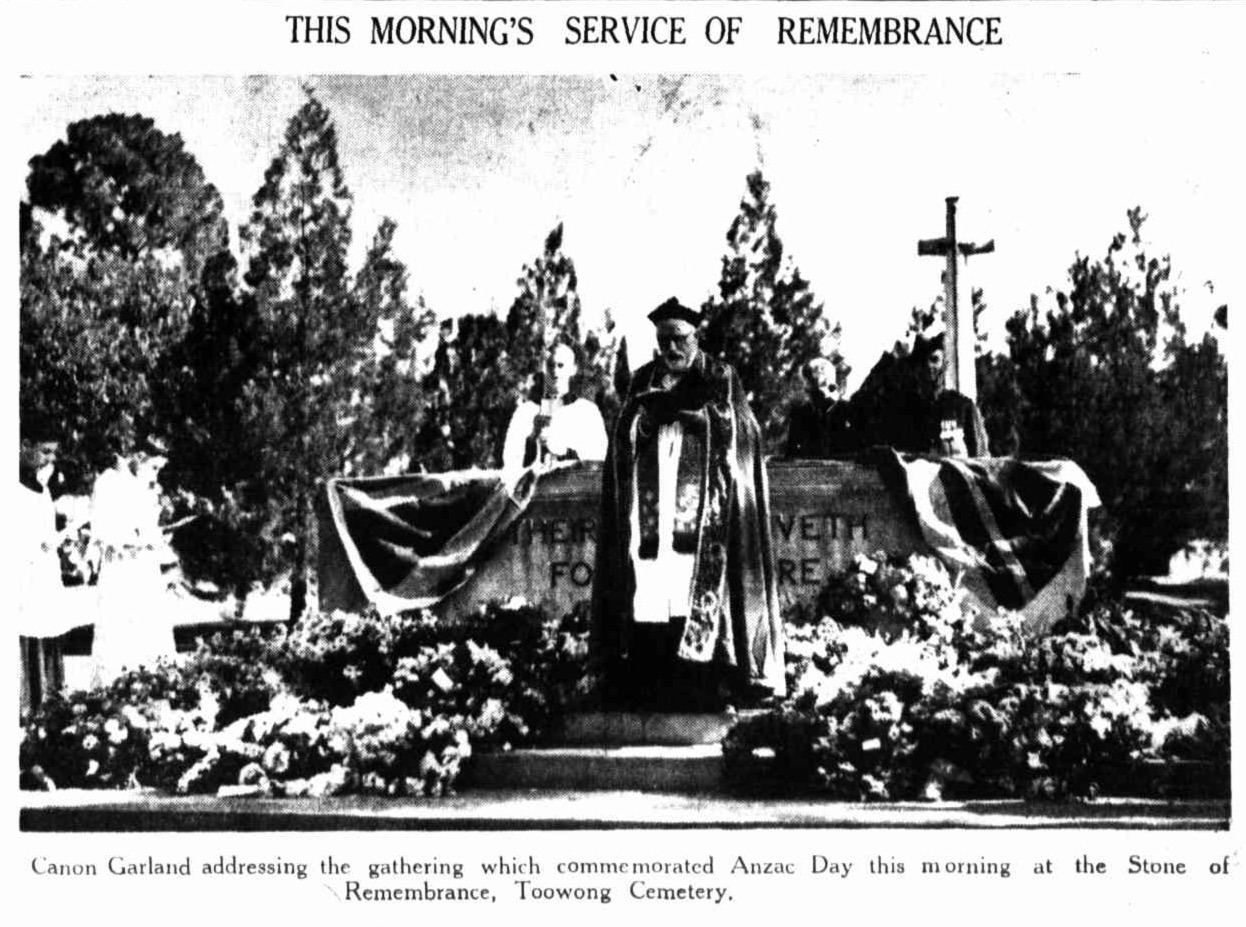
958 373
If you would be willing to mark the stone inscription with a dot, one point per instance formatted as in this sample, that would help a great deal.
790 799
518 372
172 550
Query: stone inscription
799 536
567 546
822 515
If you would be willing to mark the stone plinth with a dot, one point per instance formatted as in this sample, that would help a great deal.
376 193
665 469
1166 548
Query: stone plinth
629 728
620 750
823 513
694 768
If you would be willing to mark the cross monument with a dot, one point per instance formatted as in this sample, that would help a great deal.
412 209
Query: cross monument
958 373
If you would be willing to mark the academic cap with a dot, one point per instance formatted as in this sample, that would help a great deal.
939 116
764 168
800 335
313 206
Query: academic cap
674 309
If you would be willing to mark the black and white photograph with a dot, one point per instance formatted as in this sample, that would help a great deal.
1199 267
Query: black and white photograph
469 451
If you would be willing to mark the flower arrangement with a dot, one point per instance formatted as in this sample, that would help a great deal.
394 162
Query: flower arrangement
898 690
903 691
340 703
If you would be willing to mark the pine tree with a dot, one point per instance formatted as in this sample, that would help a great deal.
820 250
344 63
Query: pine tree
547 307
765 320
309 334
390 405
622 370
485 367
1106 378
471 392
213 473
548 310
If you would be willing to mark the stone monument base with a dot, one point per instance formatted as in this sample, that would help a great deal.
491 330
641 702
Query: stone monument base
616 750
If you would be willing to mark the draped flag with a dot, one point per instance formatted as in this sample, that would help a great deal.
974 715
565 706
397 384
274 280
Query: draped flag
1015 532
410 541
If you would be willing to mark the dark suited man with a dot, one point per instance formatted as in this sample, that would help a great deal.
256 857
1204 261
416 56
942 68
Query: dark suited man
820 426
942 421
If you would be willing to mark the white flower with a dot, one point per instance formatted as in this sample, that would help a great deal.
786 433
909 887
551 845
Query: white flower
441 680
277 759
134 717
209 704
864 564
117 732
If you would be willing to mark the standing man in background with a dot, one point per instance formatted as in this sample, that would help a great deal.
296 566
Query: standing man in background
942 421
819 426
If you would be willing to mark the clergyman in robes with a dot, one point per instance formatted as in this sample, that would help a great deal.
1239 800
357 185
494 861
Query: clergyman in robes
41 606
685 614
133 623
563 426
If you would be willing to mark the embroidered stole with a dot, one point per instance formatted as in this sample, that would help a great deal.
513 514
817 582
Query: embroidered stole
689 482
704 485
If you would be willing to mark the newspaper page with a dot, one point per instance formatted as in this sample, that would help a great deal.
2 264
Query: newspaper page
633 460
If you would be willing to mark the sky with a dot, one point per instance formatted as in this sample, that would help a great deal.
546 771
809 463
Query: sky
646 173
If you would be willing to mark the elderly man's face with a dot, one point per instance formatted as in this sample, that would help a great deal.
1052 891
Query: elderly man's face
677 344
820 381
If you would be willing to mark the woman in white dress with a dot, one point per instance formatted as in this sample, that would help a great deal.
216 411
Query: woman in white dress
133 622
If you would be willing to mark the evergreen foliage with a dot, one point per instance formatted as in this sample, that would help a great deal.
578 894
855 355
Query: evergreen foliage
1103 373
94 326
390 403
131 189
214 466
471 392
485 367
331 390
264 378
308 332
765 320
1106 377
